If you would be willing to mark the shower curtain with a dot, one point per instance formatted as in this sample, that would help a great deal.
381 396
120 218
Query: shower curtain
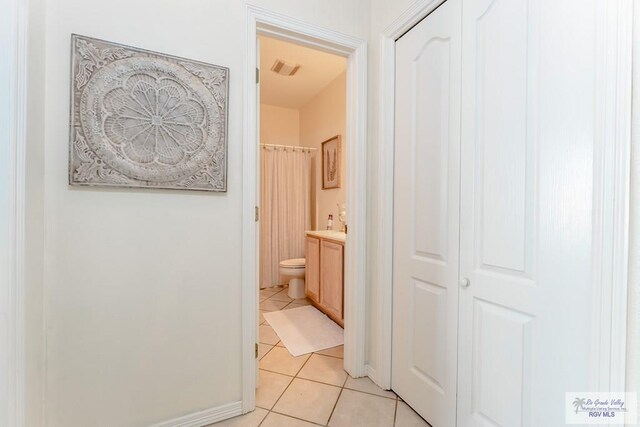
285 207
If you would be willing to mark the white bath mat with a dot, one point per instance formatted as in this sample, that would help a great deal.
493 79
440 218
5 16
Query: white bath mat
305 329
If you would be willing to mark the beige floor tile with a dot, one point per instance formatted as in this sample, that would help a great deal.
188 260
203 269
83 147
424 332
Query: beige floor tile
293 305
278 420
261 319
325 369
308 400
334 351
280 344
282 296
252 419
281 361
263 349
361 409
264 297
366 385
302 301
266 335
271 305
270 388
406 417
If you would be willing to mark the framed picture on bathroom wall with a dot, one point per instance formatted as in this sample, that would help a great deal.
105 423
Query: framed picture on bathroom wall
331 160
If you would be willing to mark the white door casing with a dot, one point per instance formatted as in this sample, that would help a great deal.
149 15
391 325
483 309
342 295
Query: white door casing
426 207
260 21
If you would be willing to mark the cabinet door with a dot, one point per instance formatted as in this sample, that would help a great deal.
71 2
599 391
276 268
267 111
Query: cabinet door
331 288
312 274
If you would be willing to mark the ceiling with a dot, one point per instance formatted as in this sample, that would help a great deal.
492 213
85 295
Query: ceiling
317 70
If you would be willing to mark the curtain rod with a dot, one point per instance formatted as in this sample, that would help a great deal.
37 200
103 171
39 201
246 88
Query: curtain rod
287 146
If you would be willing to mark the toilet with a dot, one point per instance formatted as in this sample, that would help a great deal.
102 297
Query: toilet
293 271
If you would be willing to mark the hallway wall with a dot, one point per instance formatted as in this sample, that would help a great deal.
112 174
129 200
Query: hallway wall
142 306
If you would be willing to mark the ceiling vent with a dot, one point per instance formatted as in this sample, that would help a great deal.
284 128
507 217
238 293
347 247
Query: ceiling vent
284 69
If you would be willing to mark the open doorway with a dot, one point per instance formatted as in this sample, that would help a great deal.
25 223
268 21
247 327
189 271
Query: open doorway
349 78
301 171
302 227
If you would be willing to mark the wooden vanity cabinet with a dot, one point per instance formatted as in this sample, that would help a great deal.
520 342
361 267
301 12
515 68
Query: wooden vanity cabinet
324 279
331 279
312 269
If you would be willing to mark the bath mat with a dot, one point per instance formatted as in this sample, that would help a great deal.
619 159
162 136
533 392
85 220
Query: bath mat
305 329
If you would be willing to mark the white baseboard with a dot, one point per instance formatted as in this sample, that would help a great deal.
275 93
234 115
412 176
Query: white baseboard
206 417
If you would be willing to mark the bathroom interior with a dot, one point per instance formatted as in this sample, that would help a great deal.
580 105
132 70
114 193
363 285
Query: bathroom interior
302 214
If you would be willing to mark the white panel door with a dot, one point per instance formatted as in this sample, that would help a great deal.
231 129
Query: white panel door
426 205
526 206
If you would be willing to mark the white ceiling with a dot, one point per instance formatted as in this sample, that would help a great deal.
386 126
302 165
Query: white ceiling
317 70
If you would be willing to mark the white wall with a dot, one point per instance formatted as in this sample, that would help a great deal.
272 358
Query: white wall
142 305
5 135
383 13
33 199
633 332
322 118
279 125
34 231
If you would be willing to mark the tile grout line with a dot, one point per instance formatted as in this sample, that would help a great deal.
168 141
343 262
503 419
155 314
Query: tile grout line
290 382
334 405
395 414
296 376
329 384
338 399
274 346
264 355
283 392
297 418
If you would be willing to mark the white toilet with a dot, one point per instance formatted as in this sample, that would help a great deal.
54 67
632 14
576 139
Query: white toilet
293 271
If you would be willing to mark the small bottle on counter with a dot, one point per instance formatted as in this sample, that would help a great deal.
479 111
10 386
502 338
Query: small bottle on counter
330 222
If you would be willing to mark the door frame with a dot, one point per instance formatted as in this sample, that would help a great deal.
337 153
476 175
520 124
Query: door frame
260 21
611 215
14 76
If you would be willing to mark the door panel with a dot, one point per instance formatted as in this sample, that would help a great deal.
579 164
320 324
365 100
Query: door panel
497 312
526 164
504 216
501 360
426 206
427 354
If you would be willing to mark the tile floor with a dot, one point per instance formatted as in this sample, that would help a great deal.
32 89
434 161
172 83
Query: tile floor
314 389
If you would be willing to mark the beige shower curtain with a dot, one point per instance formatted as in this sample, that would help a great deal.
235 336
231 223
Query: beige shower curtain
285 207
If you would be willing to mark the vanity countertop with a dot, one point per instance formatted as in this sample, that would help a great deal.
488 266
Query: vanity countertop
336 236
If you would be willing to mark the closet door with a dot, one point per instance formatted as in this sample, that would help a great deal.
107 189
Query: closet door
526 209
426 205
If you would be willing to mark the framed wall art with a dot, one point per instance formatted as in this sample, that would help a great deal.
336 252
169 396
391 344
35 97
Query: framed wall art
145 119
331 162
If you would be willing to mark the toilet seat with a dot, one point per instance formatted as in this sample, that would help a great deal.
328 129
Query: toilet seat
293 263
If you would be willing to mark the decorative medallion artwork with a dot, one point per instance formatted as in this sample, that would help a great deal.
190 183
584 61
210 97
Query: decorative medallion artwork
144 119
